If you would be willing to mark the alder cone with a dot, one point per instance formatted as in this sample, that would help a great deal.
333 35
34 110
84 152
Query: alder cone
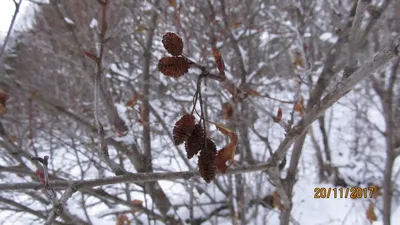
207 167
195 142
172 43
183 128
173 66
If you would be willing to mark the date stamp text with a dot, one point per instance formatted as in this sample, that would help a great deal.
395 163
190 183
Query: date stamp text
350 192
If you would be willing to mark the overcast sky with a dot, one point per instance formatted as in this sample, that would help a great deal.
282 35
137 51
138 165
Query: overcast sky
7 9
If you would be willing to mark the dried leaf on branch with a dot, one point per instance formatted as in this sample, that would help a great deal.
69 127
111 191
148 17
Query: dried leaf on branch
236 24
228 152
3 100
219 61
252 92
91 56
376 191
134 100
299 107
123 220
276 201
172 3
227 111
278 117
13 138
298 61
41 176
370 214
140 28
183 128
136 203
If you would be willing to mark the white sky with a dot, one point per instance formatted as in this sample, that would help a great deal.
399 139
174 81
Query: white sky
7 9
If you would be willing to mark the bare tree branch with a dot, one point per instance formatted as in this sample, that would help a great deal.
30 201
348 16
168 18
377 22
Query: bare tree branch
134 177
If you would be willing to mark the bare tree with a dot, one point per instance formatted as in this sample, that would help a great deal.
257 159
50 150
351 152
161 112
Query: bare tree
88 108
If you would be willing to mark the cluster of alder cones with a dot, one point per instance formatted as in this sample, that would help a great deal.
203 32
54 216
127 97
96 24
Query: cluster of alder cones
187 131
175 65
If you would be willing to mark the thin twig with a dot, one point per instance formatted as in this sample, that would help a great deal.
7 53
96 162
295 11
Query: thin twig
202 110
236 92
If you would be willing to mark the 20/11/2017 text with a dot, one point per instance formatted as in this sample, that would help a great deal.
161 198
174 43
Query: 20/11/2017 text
353 192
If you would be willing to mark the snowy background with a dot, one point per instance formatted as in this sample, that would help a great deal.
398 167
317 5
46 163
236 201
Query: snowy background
357 147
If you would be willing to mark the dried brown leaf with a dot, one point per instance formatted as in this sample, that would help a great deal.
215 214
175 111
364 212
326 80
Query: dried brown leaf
236 24
13 138
3 101
252 92
134 100
41 176
299 107
219 61
122 220
227 111
172 3
140 28
276 202
228 152
137 202
91 56
377 191
298 61
278 117
370 214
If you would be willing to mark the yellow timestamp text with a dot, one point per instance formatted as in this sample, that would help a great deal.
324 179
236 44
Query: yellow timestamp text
350 192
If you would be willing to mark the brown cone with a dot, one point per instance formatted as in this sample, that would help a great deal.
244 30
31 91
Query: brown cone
183 128
173 66
172 43
195 142
207 167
